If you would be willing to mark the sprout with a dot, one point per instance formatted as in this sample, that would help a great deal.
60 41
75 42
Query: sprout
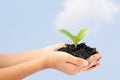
75 38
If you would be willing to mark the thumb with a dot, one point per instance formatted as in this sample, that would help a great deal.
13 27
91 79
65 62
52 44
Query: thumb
59 45
77 61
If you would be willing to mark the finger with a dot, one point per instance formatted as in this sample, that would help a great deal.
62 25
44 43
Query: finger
72 69
94 57
55 47
87 67
93 67
77 61
98 59
59 45
90 68
92 64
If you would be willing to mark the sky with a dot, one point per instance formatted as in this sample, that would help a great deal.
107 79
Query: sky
32 24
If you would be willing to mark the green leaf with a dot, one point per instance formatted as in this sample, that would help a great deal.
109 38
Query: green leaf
82 33
67 33
75 40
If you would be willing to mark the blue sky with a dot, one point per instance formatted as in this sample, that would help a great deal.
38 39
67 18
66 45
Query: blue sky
32 24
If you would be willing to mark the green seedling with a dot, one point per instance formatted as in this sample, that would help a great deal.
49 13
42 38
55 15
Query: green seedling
75 38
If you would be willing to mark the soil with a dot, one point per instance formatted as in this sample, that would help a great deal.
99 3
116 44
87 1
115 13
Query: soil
82 50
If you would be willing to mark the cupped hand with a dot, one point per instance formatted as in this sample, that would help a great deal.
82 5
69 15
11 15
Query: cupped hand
52 48
65 62
94 61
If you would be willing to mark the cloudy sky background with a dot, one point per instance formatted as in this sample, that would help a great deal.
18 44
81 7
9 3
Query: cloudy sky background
90 13
32 24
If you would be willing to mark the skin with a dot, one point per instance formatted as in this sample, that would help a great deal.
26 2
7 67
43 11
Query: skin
20 65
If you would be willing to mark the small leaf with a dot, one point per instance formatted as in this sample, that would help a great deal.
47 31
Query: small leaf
82 33
67 33
75 40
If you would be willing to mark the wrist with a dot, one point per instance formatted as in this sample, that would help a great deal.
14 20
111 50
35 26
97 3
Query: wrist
40 52
49 60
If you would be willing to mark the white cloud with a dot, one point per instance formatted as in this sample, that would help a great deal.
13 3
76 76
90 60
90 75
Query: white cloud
88 13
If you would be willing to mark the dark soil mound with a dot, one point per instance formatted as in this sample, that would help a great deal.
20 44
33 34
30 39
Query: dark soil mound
82 50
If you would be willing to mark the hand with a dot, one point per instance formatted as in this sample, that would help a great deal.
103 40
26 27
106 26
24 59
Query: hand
52 48
94 61
65 62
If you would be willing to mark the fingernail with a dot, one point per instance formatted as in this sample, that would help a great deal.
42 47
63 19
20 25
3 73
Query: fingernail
85 63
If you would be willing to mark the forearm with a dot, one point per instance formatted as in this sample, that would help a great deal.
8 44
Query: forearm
13 59
17 58
22 70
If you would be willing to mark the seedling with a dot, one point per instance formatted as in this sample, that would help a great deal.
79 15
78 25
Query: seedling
75 38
